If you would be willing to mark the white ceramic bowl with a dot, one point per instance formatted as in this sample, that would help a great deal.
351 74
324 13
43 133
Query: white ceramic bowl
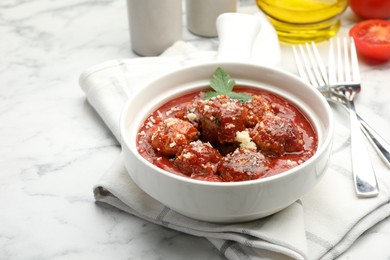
235 201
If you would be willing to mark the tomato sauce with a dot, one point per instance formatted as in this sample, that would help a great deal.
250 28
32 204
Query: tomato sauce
276 162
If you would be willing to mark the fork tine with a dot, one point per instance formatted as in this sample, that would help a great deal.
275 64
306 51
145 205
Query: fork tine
299 64
340 72
343 65
304 68
314 66
308 67
355 62
331 65
320 64
347 67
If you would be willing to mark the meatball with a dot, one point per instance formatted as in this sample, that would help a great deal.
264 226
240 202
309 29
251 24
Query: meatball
198 158
275 136
189 112
169 136
221 118
255 109
243 165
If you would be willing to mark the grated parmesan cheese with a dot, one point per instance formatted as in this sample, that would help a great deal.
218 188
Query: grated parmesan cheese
191 116
187 155
170 122
229 126
245 140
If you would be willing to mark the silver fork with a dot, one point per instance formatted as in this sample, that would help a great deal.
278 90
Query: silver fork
311 68
336 90
345 73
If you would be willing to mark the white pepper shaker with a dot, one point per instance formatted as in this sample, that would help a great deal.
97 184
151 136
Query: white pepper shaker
202 15
154 25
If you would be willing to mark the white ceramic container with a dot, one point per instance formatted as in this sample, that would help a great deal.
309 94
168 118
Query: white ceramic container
202 15
154 25
235 201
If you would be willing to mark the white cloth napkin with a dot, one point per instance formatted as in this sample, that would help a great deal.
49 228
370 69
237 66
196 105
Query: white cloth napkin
322 225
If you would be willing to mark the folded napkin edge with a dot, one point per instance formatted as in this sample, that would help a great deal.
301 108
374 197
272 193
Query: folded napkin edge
109 64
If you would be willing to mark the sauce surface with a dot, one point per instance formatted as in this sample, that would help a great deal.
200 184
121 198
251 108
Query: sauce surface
223 140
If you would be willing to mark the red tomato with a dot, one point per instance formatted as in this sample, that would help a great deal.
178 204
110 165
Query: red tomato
368 9
372 39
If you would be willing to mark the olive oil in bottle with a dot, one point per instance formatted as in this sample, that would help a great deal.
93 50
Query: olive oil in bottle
299 21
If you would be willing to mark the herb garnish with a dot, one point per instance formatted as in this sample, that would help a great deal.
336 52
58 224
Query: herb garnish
223 85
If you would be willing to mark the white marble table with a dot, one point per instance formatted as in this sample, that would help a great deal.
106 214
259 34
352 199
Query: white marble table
54 147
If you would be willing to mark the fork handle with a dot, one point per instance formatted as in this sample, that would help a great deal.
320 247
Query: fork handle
381 146
366 184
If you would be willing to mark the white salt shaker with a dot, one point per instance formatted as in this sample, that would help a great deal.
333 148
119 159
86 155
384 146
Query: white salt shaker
202 15
154 25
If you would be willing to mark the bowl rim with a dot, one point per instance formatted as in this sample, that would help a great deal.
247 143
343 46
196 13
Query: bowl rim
328 137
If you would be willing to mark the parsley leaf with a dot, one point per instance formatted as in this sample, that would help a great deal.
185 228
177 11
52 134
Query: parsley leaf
221 82
242 97
223 85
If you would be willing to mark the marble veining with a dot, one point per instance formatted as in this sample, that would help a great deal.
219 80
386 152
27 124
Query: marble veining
54 147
